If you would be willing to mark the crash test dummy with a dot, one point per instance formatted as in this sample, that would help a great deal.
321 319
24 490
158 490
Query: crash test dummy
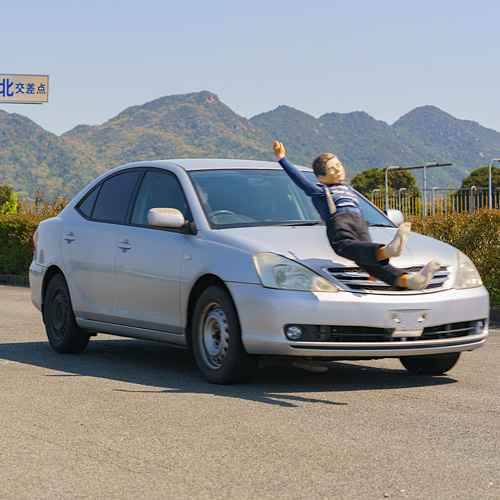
347 230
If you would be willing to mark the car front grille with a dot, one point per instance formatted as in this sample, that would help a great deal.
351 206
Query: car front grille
323 333
356 279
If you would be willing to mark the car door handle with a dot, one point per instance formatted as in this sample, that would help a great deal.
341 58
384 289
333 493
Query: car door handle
69 237
124 245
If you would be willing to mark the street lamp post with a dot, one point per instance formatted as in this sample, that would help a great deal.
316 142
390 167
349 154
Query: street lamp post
490 203
431 164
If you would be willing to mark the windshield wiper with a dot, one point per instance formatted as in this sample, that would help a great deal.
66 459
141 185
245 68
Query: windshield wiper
308 223
381 225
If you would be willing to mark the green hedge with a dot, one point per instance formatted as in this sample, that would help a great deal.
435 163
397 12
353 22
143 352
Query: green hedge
16 242
477 235
16 233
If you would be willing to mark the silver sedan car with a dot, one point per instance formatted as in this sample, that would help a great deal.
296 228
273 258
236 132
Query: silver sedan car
230 259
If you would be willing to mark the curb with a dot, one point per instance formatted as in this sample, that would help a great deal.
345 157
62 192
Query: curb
12 279
494 316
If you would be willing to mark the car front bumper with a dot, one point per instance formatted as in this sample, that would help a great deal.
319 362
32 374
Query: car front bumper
265 313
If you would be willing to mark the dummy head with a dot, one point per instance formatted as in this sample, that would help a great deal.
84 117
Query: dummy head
328 169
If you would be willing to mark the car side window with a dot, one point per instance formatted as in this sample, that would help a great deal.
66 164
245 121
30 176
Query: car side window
114 197
158 190
87 205
109 202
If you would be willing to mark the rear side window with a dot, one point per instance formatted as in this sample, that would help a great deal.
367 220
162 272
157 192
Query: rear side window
109 202
87 205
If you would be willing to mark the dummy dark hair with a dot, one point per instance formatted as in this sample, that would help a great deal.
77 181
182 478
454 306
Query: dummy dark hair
319 164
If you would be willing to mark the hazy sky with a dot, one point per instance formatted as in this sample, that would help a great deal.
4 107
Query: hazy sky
385 57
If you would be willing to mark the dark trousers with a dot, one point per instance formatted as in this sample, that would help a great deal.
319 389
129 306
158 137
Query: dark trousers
349 237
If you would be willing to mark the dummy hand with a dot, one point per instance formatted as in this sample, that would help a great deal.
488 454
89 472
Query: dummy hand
279 150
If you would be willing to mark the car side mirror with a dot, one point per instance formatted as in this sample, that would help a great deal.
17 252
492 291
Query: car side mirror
395 216
166 217
170 218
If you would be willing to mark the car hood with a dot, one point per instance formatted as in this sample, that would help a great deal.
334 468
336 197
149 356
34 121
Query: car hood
309 245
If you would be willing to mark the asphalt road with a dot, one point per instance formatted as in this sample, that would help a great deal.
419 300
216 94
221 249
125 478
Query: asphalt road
131 419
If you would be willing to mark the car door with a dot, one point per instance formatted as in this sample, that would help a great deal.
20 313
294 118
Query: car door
89 246
148 260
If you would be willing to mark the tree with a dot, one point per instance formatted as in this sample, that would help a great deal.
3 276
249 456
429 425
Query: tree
5 194
480 178
365 182
10 206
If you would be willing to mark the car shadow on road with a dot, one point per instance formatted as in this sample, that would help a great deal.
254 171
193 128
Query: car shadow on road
166 369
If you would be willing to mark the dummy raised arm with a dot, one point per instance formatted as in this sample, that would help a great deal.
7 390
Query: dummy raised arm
294 173
279 150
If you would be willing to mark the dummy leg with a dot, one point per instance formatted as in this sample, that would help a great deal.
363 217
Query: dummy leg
419 280
349 238
396 246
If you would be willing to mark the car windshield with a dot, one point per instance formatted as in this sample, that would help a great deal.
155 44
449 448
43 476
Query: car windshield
246 197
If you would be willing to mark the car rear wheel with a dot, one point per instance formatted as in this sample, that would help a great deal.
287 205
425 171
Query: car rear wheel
431 365
62 331
217 345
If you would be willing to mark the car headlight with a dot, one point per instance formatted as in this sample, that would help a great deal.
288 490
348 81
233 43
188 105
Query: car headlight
275 271
467 274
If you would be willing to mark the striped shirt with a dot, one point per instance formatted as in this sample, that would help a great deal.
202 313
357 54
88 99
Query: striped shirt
344 197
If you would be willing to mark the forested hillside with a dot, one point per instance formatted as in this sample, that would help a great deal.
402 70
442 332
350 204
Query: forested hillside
200 125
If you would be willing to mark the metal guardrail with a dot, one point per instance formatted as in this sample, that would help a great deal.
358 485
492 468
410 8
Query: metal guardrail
437 200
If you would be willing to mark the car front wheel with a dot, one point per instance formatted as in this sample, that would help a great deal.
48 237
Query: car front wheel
431 365
62 331
217 345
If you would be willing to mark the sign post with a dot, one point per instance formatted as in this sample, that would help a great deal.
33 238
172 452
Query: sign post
24 89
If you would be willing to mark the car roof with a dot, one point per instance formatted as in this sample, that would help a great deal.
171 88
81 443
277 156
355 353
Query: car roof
213 164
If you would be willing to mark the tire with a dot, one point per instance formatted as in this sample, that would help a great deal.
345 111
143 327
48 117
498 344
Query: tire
431 365
217 345
62 331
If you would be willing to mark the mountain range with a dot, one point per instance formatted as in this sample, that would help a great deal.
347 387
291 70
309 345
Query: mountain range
199 125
